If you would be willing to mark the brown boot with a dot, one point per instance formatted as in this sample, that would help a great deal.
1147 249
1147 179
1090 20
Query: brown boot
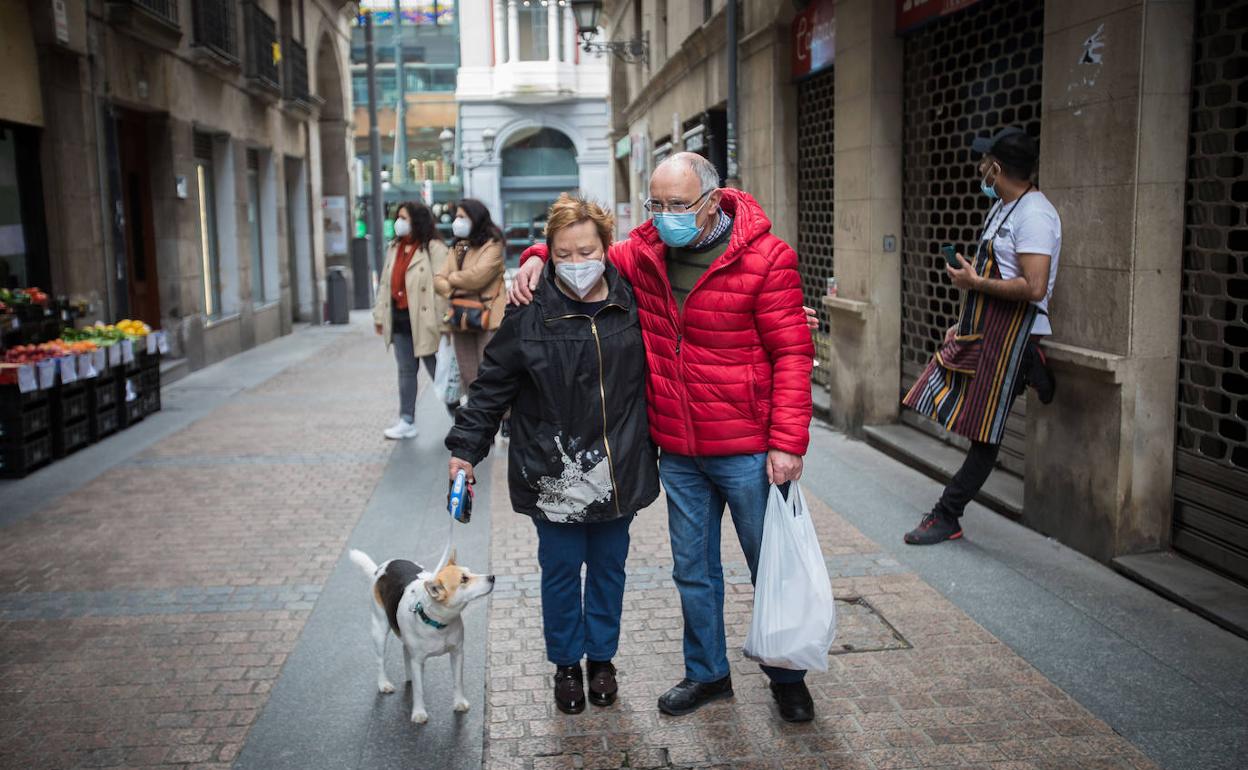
570 689
602 685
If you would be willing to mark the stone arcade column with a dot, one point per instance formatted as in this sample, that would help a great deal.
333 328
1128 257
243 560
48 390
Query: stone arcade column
1113 155
865 352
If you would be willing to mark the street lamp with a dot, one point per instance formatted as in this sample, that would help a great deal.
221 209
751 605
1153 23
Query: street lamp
632 51
447 140
466 161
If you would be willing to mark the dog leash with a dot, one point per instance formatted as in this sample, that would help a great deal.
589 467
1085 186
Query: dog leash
459 506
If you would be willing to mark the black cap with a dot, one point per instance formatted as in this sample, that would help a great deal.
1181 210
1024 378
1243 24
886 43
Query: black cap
1012 146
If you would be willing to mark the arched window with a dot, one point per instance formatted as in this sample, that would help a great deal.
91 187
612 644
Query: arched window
540 152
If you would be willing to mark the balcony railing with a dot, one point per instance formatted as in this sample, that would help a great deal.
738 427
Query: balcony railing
261 55
295 85
215 27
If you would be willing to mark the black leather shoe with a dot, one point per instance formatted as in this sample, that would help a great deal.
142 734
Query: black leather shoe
689 696
570 689
794 701
602 684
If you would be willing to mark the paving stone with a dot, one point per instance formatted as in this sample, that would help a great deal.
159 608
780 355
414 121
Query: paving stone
155 604
926 686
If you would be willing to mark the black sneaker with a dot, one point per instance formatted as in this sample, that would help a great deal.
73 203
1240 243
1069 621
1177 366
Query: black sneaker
1040 376
689 696
794 701
935 528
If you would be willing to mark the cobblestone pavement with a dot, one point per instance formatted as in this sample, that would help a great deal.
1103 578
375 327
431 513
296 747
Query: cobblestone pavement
914 683
145 616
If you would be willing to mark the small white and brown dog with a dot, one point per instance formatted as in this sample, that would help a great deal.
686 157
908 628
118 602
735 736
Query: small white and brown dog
423 610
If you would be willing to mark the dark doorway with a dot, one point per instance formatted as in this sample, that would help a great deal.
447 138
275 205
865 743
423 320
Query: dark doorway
135 178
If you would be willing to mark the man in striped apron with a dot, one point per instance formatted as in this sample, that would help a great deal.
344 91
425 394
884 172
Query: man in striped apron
991 354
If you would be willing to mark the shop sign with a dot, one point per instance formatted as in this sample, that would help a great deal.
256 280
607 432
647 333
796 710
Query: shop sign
61 18
915 13
814 38
623 147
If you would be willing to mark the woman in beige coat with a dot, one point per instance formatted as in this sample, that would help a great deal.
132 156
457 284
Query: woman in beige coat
408 313
474 271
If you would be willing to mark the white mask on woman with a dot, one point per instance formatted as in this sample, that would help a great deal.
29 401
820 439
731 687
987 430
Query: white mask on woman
581 277
461 227
402 228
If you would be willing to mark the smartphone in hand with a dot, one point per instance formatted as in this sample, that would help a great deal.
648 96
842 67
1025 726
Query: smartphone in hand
951 255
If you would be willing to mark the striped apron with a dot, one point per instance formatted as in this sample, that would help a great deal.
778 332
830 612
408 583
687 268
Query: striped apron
970 383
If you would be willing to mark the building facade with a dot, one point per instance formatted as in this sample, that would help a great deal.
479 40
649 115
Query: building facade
428 36
524 77
182 162
855 124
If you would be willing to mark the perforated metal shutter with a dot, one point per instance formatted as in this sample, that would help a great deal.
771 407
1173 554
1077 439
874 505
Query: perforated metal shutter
967 74
816 99
1211 457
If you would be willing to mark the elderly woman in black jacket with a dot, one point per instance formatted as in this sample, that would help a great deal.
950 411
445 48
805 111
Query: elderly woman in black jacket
572 370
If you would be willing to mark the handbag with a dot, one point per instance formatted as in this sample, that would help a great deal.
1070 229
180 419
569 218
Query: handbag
466 313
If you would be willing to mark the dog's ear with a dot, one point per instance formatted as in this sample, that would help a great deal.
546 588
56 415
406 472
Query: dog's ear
436 590
451 559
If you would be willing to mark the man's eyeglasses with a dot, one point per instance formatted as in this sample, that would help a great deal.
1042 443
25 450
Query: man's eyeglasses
653 206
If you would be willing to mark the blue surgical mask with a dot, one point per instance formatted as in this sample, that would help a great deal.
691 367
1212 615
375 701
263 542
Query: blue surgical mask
677 229
989 190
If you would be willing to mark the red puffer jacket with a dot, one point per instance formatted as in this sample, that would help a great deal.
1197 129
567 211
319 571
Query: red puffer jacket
731 374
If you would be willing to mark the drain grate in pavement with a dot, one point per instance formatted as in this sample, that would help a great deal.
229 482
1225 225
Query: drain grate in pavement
861 628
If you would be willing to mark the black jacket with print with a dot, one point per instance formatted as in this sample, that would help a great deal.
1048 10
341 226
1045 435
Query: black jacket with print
576 387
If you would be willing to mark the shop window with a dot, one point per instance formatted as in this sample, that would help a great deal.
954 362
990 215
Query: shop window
262 226
23 258
208 237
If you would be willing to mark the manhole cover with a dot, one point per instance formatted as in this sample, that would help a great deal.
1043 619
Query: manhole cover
860 628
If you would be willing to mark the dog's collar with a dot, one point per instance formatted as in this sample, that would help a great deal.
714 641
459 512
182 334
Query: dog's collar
419 610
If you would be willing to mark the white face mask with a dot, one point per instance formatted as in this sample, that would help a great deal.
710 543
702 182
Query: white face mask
402 228
581 277
461 227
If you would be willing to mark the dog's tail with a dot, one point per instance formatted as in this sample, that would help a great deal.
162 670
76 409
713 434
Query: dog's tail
365 563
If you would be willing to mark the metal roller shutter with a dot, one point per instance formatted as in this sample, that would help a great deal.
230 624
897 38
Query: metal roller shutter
816 99
966 74
1211 454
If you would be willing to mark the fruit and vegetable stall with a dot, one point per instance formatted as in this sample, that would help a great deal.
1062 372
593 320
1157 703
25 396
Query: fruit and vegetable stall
62 386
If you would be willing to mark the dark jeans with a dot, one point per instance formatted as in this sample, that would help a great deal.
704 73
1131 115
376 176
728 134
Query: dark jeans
697 490
580 622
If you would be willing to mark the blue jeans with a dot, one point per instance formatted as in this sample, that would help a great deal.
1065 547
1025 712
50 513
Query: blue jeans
697 488
577 628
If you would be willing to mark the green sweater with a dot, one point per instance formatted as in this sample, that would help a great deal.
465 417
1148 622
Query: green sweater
685 265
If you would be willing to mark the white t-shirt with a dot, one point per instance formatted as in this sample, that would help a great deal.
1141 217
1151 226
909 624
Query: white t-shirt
1033 228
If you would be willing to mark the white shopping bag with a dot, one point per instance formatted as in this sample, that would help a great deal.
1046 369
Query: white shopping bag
794 619
446 373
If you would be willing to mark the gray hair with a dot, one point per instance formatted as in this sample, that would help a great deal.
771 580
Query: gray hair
708 177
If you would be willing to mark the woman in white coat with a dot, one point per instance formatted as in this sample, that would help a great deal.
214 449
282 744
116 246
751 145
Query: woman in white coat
409 313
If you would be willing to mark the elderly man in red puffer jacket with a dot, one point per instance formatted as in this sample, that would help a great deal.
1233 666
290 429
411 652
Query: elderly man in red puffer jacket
728 392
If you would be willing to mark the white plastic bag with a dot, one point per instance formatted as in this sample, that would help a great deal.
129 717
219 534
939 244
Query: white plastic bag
794 619
446 372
